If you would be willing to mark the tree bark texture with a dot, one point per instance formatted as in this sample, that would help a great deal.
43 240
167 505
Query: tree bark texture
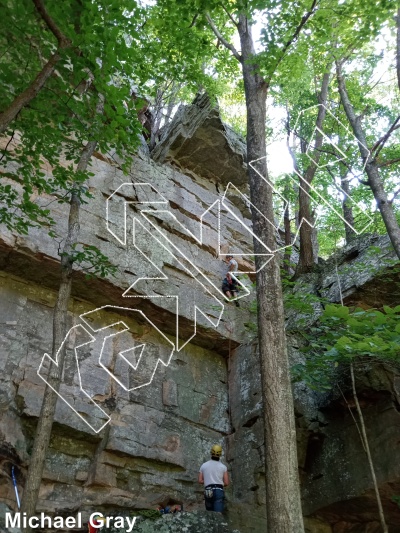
288 233
60 318
307 256
284 513
347 209
371 167
398 47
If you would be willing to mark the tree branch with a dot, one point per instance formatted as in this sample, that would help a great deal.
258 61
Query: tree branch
62 40
230 16
194 20
389 162
395 195
222 39
381 142
297 32
24 98
7 145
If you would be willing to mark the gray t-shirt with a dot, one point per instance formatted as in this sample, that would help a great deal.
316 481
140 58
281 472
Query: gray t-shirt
213 472
233 262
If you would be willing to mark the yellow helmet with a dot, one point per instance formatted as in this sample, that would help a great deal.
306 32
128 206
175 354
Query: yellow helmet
216 450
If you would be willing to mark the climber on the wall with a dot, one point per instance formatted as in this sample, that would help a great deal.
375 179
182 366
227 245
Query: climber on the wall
214 475
232 263
230 284
230 287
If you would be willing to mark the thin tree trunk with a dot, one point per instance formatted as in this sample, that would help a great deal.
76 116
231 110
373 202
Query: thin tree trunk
176 87
60 317
397 18
284 513
347 209
371 168
157 116
286 225
291 150
24 98
97 457
307 257
368 452
286 213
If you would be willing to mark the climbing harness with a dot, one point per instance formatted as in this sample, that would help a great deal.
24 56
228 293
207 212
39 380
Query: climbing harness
15 486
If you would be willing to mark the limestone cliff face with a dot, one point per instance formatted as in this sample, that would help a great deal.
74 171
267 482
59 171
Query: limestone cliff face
159 434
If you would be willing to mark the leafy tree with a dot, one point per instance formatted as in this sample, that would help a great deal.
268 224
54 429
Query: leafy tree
86 103
281 44
283 498
73 75
25 97
52 128
371 165
377 154
307 256
60 316
342 335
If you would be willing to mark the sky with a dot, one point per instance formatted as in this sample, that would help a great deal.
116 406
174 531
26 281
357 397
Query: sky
279 159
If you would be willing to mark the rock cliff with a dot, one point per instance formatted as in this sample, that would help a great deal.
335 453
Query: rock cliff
163 423
159 434
337 489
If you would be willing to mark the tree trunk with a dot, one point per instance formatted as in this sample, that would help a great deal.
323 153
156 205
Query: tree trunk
157 116
23 99
291 150
286 195
397 18
371 168
282 482
347 209
97 457
176 87
60 317
307 257
288 234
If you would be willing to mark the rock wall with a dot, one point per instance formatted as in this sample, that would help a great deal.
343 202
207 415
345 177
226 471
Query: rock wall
197 140
337 490
163 423
159 434
149 453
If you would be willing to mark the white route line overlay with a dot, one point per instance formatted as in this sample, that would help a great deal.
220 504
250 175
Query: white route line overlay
311 188
145 214
92 339
175 346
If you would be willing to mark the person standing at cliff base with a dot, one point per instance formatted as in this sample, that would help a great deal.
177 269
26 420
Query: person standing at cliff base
214 475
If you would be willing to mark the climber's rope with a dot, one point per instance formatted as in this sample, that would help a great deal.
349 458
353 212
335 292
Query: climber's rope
337 384
353 417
